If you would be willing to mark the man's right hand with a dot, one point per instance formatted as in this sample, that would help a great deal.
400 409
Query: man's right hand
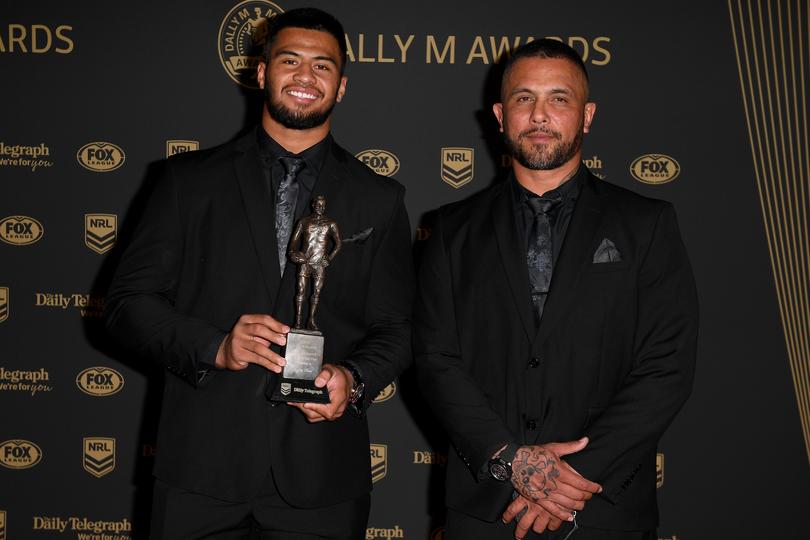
540 475
249 343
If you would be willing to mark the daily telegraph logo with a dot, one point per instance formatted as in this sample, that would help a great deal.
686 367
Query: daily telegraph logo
458 165
180 147
30 381
99 455
380 161
379 461
89 305
100 231
659 470
19 454
428 457
100 156
28 156
20 230
100 381
386 393
373 533
4 302
84 527
594 164
655 169
241 39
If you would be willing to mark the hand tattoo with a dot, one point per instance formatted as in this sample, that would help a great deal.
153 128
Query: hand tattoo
535 472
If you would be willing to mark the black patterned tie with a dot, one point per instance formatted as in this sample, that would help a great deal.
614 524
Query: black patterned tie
285 206
539 253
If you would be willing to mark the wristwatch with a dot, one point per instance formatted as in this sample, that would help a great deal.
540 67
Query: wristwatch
500 467
356 394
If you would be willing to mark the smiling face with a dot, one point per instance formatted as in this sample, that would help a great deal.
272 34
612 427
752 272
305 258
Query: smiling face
544 112
302 80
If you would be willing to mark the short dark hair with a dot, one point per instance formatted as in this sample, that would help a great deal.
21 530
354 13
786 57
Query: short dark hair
546 48
309 19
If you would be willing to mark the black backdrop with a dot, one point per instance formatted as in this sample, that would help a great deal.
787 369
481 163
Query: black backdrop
714 91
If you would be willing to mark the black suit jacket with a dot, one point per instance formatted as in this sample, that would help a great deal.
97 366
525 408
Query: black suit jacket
613 358
204 253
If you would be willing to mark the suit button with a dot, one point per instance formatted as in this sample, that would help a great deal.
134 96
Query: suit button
534 362
531 425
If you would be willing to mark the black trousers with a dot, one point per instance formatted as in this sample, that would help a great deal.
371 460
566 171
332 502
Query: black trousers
463 527
178 514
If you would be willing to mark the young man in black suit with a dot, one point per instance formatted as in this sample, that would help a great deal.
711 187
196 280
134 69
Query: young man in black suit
553 307
206 288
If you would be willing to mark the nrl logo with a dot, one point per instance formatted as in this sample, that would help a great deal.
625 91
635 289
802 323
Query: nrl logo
659 470
379 461
179 147
99 455
3 303
458 165
286 388
100 231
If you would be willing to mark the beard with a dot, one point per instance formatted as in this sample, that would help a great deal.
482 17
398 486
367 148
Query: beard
293 119
543 157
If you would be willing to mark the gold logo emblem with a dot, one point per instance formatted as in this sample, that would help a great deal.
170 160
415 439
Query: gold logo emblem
659 470
20 230
100 156
437 534
386 393
100 231
179 147
379 461
99 455
3 303
458 166
655 169
380 161
241 39
100 381
19 454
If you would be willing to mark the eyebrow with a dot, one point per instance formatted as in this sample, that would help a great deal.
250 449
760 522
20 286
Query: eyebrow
522 89
323 58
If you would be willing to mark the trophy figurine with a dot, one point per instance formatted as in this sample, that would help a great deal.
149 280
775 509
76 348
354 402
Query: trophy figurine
304 350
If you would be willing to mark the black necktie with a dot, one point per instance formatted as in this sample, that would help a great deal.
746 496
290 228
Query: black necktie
285 206
539 253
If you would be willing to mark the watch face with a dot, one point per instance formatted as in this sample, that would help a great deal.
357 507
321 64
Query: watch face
499 471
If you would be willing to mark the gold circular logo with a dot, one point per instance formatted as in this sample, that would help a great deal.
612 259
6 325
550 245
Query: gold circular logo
655 169
101 156
99 381
380 161
20 230
241 39
19 454
386 393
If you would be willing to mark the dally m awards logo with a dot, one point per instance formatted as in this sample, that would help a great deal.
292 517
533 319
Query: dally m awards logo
100 381
458 165
241 39
379 461
98 457
20 230
380 161
19 454
100 157
179 147
386 393
659 470
655 169
4 303
100 232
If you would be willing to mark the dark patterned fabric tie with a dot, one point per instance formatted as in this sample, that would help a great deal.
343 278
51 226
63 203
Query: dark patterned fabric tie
285 206
539 254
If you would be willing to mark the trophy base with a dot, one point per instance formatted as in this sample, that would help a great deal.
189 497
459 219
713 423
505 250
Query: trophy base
304 356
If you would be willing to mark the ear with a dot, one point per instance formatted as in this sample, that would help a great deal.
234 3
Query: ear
497 109
261 70
342 88
590 110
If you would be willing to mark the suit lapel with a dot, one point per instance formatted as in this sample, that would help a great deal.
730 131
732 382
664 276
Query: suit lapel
258 209
576 256
513 255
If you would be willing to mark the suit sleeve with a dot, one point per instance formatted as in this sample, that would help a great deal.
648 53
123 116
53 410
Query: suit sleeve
475 429
663 369
385 351
139 308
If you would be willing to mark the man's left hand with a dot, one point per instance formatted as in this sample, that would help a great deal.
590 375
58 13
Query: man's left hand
535 517
338 381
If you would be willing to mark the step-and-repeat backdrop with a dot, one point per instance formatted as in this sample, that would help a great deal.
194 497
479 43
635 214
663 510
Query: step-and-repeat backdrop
700 103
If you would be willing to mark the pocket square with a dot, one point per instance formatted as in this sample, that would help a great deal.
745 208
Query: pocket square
606 252
358 238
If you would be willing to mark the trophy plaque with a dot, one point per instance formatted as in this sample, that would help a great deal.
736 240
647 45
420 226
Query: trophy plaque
304 349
